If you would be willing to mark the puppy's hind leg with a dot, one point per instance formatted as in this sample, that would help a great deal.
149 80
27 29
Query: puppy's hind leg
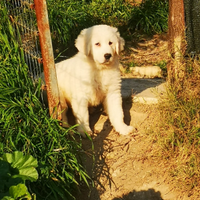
113 106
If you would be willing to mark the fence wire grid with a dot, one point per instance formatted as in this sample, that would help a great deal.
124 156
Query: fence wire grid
23 17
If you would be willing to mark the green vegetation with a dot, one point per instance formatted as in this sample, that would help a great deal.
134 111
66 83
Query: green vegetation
15 170
151 17
26 126
68 18
73 16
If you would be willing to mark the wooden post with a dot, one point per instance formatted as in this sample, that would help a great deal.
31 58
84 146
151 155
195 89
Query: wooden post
177 43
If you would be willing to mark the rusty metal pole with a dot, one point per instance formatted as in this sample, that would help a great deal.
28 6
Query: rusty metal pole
48 58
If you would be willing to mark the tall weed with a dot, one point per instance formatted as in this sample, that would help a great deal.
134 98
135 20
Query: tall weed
180 132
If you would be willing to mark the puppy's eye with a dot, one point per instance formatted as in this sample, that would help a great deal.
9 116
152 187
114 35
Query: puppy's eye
97 44
110 43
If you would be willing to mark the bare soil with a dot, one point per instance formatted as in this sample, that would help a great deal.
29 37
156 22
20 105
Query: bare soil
128 167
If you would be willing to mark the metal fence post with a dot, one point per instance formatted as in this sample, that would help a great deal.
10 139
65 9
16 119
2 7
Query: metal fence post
48 58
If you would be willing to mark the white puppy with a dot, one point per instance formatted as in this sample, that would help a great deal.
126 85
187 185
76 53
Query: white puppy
92 77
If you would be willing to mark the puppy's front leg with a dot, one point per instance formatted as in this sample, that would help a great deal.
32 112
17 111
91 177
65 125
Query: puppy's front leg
113 106
64 109
80 111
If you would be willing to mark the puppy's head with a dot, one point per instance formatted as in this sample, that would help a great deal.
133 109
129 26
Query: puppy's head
102 42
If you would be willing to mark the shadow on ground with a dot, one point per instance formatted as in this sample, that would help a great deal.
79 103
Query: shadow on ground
105 142
149 194
132 86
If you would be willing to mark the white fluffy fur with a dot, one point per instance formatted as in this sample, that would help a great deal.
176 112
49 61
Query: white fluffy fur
88 78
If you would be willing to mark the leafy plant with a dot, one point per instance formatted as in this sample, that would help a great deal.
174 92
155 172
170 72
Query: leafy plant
15 170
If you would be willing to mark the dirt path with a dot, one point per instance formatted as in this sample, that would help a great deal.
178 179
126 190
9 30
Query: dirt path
127 167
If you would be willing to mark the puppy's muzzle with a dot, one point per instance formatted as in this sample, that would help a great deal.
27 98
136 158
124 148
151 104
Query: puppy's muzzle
107 56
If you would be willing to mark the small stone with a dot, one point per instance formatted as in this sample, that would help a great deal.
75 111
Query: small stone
147 71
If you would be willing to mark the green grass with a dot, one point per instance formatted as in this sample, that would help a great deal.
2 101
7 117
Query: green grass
72 16
150 17
26 126
68 18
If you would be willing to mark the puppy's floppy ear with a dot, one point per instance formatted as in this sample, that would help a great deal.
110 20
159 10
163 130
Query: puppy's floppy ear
120 44
82 43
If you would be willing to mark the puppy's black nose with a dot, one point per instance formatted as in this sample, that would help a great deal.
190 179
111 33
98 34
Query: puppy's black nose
107 56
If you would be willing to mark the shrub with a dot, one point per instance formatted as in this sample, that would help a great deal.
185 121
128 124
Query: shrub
151 16
68 18
111 12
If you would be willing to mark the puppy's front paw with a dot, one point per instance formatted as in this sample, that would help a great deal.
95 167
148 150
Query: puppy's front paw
125 130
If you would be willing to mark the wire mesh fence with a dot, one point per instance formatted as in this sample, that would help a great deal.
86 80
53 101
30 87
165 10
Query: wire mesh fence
23 18
31 27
